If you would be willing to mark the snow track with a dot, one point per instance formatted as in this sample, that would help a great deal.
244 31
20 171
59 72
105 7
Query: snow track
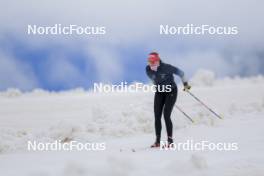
125 121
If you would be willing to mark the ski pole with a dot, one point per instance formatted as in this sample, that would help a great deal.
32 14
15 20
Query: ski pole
204 105
185 114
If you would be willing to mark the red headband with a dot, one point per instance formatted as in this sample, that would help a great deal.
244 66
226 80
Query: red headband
153 57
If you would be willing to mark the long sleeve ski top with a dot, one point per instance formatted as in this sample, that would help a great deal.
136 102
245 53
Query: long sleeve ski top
164 74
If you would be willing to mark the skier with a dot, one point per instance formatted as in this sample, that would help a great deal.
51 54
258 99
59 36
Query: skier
162 75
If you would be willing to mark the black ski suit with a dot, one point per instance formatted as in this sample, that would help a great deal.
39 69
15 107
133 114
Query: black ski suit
164 101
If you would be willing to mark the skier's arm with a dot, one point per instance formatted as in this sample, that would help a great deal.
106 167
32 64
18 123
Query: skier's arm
151 77
180 73
148 72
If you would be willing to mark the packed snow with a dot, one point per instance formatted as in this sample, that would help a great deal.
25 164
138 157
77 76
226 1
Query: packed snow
124 122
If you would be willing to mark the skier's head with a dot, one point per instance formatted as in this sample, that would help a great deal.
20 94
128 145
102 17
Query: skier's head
153 59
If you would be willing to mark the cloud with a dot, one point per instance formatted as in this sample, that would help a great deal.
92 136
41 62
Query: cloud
136 20
209 60
14 73
107 62
226 63
62 73
134 25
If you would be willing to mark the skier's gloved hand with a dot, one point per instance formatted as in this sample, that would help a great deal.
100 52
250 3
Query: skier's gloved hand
186 86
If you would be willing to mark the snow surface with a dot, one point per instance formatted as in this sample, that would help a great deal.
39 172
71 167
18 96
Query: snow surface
125 121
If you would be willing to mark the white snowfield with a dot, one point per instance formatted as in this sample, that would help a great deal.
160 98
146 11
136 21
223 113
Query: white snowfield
125 123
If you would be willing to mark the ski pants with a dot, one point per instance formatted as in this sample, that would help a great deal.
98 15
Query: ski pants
164 102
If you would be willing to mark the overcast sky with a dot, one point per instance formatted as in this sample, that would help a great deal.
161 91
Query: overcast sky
132 31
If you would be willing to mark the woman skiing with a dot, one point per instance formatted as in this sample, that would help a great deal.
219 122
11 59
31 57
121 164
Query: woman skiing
162 75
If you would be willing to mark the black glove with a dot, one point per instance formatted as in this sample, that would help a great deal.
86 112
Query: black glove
186 86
